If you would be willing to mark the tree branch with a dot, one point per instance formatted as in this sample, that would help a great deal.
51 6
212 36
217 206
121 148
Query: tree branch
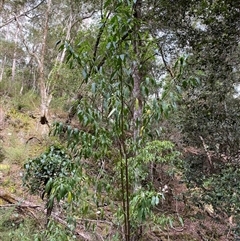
20 15
165 62
24 43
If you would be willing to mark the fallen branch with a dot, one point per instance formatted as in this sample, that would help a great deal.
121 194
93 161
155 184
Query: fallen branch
19 205
25 206
12 199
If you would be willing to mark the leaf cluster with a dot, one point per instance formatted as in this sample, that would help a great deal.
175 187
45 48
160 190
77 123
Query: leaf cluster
41 171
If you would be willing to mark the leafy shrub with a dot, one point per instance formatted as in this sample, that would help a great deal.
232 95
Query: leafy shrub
43 170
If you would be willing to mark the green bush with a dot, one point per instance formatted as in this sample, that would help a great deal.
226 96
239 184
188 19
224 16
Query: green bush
41 172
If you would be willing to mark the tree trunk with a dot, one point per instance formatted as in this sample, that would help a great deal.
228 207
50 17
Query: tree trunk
2 68
44 89
68 36
137 80
15 55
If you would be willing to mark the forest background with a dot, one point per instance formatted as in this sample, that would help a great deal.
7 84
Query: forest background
119 120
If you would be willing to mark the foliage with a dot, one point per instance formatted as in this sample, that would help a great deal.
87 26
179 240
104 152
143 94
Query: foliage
27 230
159 152
222 191
209 112
142 205
5 221
218 190
41 172
55 232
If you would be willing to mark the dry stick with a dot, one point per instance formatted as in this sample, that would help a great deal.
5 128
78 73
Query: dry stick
207 152
19 205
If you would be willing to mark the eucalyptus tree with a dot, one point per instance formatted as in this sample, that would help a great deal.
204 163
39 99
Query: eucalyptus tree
117 112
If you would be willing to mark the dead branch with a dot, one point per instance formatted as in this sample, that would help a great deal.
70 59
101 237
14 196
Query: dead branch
19 205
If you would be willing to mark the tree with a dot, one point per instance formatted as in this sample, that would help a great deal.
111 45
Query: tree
117 111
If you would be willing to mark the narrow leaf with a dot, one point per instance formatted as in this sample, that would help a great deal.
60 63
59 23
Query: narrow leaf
111 112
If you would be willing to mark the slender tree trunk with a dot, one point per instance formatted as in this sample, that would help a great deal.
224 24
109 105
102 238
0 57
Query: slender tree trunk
138 100
137 80
68 36
15 55
44 89
2 68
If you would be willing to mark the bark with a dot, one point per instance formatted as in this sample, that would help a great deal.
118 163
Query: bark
44 89
68 37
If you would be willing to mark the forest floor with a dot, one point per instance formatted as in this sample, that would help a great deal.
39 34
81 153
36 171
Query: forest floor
21 138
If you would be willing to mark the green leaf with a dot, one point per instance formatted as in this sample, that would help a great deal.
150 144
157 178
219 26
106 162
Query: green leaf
153 202
49 186
181 221
111 112
84 74
94 87
107 3
58 42
69 198
122 56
